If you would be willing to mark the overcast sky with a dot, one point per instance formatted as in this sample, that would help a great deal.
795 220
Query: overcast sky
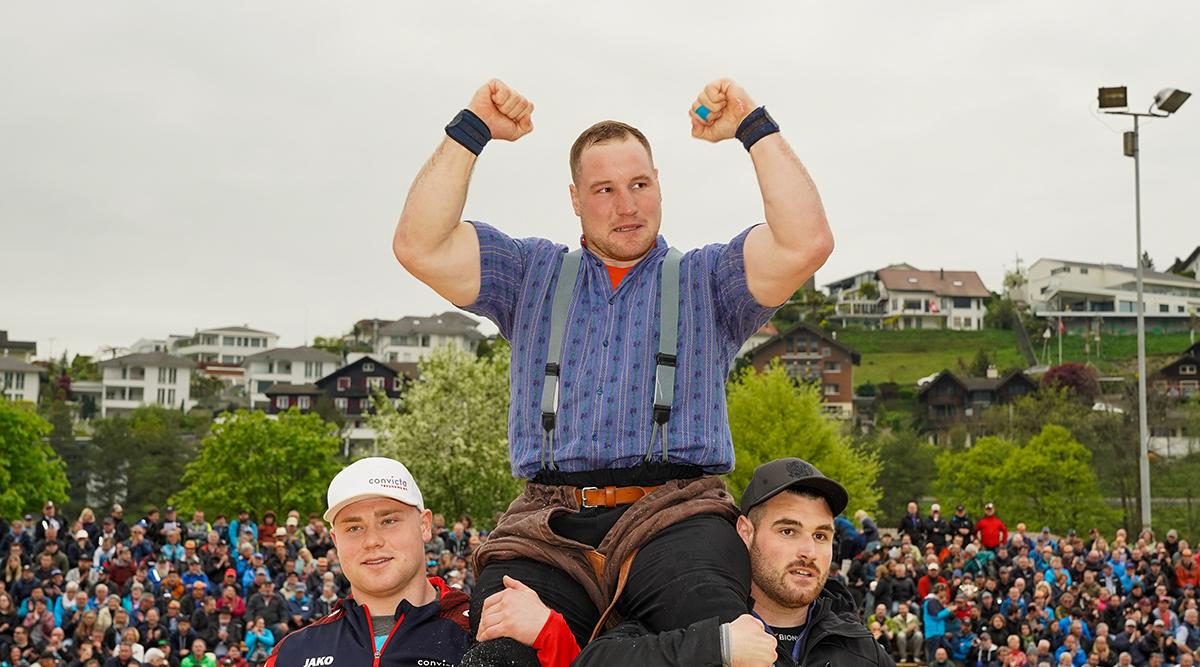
167 166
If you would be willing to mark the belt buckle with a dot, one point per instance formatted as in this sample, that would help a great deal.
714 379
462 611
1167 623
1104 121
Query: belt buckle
583 501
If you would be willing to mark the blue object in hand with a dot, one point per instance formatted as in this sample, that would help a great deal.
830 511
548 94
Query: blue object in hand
702 111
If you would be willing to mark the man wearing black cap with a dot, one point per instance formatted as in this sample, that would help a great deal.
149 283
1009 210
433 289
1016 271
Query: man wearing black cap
787 525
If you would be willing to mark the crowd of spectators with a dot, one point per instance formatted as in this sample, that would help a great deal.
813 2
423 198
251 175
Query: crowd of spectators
937 590
163 590
953 590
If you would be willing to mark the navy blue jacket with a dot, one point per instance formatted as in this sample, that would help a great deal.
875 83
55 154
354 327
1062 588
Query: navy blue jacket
430 635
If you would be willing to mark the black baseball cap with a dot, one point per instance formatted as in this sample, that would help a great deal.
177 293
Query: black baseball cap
771 478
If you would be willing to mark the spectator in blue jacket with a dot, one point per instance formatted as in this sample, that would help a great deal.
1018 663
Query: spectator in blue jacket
934 614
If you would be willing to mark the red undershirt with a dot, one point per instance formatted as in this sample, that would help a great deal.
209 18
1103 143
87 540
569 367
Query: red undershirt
617 273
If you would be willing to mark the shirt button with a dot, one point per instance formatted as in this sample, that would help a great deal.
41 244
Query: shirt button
599 391
605 343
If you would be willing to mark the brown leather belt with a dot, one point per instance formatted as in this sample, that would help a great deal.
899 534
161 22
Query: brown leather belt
611 496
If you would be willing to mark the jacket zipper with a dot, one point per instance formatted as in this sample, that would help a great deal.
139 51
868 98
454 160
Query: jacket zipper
371 632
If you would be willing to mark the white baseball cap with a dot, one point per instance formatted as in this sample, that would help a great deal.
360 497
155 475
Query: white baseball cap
372 477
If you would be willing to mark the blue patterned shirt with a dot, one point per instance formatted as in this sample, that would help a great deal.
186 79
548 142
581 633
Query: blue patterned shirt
606 383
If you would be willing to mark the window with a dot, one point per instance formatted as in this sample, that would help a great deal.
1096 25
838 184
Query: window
825 352
375 383
167 375
14 381
304 402
833 367
1189 387
162 397
831 389
1180 309
340 404
264 385
170 397
425 340
1187 369
364 405
343 383
1083 270
281 402
1126 307
914 304
368 367
312 369
1164 308
227 341
962 302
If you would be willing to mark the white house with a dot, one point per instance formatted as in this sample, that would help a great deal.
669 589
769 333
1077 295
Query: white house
1187 265
224 345
1084 294
914 299
286 365
19 380
150 378
412 338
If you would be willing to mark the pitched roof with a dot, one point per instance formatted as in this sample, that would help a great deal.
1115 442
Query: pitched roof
16 365
1181 264
855 357
976 383
285 389
302 353
5 343
941 283
448 322
152 359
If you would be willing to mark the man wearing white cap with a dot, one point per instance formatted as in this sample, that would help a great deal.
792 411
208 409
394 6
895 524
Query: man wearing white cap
395 615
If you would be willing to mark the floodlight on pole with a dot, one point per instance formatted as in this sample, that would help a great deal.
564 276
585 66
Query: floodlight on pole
1167 101
1113 98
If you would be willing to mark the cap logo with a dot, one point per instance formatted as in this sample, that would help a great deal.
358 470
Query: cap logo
389 482
798 470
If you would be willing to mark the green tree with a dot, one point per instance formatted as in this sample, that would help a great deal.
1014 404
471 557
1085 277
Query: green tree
250 461
908 467
974 476
332 344
30 472
1048 480
138 459
979 364
772 417
206 390
868 291
1052 482
73 452
453 432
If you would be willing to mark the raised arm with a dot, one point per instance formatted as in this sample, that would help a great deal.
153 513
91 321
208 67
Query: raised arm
796 240
431 240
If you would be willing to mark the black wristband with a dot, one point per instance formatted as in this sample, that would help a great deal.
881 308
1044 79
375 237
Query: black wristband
755 126
470 131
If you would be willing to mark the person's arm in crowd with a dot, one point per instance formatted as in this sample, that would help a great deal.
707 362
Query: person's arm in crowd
796 240
432 241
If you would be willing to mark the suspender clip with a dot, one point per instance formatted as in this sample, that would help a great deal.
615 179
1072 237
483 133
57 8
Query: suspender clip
664 359
548 420
662 414
552 368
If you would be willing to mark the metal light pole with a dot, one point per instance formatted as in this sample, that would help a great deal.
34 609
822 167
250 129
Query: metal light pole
1167 101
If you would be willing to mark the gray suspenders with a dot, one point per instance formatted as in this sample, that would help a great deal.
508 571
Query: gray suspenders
664 360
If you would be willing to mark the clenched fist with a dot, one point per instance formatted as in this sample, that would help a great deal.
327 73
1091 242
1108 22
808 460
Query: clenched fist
750 645
508 115
727 105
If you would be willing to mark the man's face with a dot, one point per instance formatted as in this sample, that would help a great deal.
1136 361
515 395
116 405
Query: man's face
380 543
791 548
617 199
912 508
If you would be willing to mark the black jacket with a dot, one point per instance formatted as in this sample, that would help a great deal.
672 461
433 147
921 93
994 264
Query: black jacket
836 637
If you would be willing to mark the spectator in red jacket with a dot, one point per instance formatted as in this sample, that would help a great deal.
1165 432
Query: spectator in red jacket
990 529
932 578
1187 573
